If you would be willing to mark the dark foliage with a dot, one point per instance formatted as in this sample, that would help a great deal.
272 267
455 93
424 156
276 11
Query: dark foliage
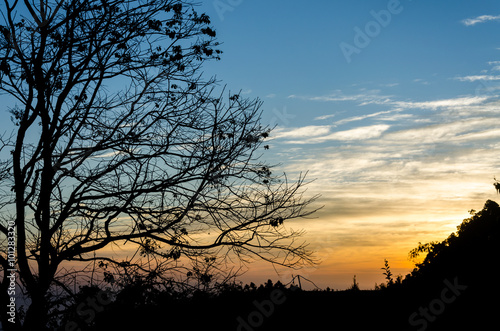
464 260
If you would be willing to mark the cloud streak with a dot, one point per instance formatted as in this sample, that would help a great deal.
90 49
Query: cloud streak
480 19
462 131
315 134
365 97
324 117
475 78
361 117
443 103
361 133
303 132
373 97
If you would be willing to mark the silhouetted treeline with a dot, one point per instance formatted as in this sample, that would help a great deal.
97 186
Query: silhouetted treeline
454 288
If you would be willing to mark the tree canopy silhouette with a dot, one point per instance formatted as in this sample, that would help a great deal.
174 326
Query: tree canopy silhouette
468 252
119 139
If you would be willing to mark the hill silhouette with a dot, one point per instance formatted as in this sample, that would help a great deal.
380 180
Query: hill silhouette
453 288
467 260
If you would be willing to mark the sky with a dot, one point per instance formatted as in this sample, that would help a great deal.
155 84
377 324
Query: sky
391 107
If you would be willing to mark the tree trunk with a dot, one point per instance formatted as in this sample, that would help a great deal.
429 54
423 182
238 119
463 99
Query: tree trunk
36 316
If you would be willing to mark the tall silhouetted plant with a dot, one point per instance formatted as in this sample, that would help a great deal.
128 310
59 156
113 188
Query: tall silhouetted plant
387 272
497 185
118 139
355 285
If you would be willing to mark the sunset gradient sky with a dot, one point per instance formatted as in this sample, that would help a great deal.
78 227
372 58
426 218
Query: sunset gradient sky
391 106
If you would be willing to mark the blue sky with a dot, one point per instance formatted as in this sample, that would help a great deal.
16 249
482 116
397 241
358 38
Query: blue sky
292 47
401 136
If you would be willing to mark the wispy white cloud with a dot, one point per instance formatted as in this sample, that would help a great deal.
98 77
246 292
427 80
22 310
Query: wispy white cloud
404 114
356 134
474 78
480 19
364 97
421 81
451 133
395 117
361 117
328 98
374 97
472 114
443 103
488 109
109 154
390 85
324 117
495 64
361 133
303 132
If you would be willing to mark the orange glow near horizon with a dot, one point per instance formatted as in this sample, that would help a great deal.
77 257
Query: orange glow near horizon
351 245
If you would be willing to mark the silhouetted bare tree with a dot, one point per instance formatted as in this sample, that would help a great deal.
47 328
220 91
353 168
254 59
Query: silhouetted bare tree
119 140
